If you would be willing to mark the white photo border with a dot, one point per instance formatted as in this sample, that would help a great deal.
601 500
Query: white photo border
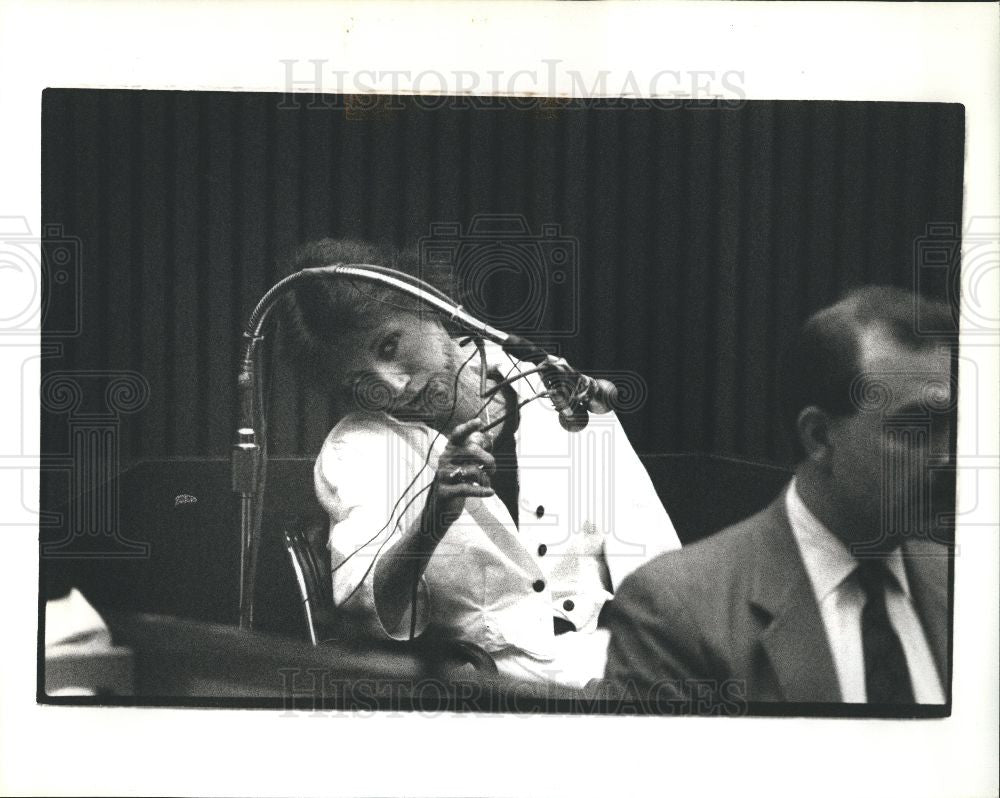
852 51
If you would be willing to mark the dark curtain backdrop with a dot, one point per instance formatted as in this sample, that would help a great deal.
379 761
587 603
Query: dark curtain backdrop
704 235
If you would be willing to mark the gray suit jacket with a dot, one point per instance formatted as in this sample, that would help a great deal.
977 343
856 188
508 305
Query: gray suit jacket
737 609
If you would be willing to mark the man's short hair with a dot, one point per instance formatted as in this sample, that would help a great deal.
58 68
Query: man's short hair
318 311
824 361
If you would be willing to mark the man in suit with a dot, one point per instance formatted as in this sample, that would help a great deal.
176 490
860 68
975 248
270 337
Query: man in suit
838 591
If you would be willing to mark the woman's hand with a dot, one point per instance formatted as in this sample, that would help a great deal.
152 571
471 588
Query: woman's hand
464 470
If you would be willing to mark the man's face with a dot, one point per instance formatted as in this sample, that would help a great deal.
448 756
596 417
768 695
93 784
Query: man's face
888 471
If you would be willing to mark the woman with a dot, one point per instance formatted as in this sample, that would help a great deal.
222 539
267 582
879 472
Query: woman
456 500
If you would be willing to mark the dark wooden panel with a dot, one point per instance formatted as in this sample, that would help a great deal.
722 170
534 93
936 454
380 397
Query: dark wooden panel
120 264
153 262
219 275
189 368
665 271
727 363
758 292
695 274
86 202
353 159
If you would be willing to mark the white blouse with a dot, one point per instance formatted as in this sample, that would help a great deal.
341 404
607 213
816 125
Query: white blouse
588 516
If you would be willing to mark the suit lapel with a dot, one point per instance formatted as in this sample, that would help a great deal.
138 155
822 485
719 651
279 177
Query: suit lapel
927 572
793 637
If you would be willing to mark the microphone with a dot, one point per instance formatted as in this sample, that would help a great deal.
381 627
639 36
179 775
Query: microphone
574 395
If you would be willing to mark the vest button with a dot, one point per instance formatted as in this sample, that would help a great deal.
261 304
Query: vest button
539 511
539 585
542 548
568 605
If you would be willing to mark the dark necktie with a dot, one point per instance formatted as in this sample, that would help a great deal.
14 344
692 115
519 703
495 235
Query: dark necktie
887 678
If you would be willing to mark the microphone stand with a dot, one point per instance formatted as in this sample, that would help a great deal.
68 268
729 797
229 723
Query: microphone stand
572 394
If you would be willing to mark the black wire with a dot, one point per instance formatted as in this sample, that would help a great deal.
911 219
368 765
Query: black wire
514 366
522 375
427 458
517 407
378 551
399 520
402 495
416 476
416 582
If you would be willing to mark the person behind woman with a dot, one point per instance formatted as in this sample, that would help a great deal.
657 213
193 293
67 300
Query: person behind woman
476 518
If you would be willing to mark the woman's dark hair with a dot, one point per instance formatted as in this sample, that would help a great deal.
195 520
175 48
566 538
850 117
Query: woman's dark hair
318 311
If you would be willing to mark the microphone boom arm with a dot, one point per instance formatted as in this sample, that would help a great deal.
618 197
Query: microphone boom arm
572 393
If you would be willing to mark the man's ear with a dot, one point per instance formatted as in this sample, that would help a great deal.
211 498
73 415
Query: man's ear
813 426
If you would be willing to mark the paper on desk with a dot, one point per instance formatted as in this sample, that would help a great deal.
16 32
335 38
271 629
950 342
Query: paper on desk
71 620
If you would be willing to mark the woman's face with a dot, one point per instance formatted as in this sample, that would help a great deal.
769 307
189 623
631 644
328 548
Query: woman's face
405 365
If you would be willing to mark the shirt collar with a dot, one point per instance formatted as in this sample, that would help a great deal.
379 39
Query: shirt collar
827 560
894 562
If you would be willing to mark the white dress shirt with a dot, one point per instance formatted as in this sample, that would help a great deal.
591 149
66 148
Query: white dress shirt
841 600
588 517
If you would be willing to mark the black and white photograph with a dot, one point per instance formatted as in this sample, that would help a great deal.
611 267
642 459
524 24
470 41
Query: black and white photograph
651 404
643 397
